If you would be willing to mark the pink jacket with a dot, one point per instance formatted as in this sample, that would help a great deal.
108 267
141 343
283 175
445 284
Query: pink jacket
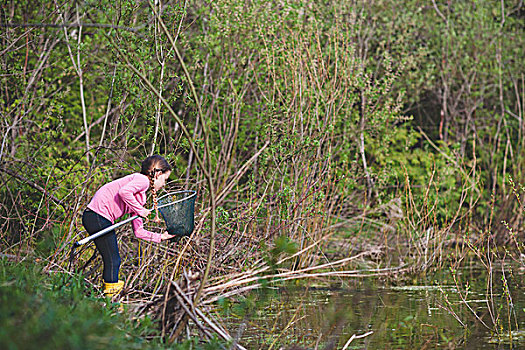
126 195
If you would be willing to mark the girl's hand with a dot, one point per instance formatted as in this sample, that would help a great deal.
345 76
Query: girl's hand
144 214
164 236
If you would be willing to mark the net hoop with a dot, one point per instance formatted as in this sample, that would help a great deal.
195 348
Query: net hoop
190 195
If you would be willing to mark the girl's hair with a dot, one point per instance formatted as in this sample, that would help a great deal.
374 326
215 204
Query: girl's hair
151 166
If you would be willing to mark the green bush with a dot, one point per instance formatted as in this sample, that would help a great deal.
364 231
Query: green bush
56 311
49 311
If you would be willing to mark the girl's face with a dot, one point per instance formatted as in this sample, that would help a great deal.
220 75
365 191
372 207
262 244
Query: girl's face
160 180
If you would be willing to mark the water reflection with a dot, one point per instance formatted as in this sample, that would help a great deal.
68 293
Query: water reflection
428 314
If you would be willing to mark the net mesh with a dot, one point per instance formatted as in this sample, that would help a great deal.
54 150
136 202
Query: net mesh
178 209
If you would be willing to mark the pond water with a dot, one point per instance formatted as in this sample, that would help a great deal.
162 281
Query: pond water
429 312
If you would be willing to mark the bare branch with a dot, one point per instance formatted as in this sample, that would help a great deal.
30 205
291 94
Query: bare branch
71 25
35 186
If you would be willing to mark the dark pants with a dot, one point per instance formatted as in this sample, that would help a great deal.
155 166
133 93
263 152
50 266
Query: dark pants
106 244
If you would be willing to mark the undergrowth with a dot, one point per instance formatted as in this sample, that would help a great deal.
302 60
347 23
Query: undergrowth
53 311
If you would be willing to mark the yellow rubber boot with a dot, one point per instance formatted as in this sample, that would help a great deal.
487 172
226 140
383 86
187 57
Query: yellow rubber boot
111 289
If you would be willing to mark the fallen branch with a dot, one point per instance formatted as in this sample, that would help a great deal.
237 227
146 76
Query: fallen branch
356 337
255 275
291 275
193 312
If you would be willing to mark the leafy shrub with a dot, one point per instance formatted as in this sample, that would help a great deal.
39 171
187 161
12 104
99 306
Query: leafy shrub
52 311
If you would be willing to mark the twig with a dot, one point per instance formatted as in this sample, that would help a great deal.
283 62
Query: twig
439 12
35 186
70 25
356 337
108 107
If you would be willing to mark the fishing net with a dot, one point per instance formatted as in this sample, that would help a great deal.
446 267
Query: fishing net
177 210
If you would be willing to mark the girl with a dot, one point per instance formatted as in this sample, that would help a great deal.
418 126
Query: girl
126 195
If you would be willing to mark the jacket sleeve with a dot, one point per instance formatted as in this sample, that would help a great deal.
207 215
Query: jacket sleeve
127 194
142 233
